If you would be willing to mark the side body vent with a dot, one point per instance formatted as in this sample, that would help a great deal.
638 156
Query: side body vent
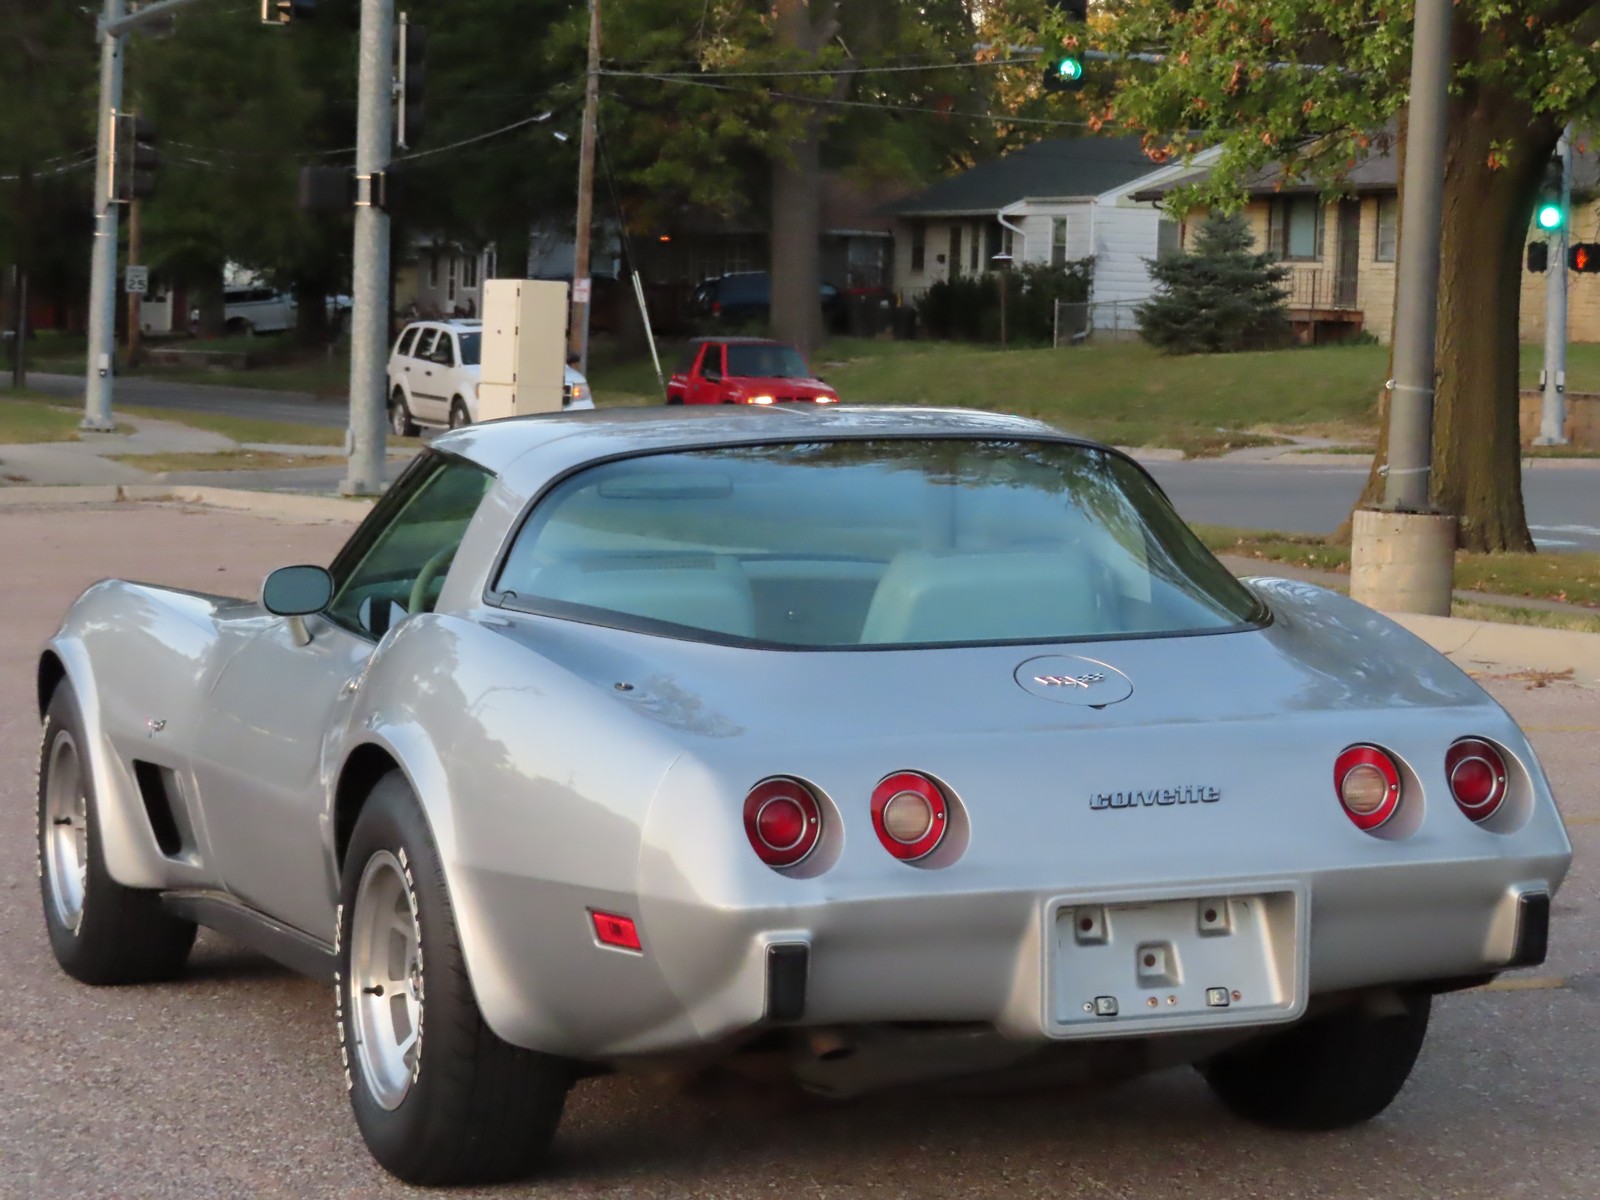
158 789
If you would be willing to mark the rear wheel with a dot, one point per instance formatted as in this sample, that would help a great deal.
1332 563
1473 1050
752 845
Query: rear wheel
400 422
439 1098
459 417
1327 1073
101 932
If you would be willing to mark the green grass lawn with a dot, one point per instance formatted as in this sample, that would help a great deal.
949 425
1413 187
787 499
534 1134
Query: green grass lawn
28 417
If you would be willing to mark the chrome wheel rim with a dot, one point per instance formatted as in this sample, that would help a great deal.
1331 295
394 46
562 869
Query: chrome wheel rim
397 418
386 988
66 835
458 417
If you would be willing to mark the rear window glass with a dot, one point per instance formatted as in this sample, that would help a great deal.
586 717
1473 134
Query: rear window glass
471 348
742 289
881 543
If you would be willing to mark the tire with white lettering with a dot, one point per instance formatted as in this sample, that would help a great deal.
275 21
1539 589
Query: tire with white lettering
100 931
1330 1072
439 1098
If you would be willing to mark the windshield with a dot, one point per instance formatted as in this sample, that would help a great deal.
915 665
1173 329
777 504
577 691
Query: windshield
471 348
766 362
878 543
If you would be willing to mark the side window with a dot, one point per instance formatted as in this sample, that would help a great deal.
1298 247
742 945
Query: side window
444 350
399 566
408 341
713 360
425 341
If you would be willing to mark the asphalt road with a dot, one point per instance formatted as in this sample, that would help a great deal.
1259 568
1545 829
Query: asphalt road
226 1083
1562 498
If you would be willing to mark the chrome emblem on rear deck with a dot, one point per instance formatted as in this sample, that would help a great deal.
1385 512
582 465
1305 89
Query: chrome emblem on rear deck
1068 679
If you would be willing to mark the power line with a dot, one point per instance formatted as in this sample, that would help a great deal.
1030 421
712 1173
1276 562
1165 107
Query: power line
481 137
823 72
66 170
828 102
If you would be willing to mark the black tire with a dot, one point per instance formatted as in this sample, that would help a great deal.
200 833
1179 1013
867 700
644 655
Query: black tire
120 934
460 418
476 1109
674 399
401 423
1330 1072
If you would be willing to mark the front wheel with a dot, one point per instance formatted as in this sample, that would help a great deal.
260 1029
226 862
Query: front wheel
1330 1072
101 932
439 1098
400 422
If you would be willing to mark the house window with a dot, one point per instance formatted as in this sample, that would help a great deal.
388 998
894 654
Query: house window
469 271
993 240
919 246
1388 228
450 282
1168 238
1294 228
955 252
1010 243
977 248
1058 242
433 269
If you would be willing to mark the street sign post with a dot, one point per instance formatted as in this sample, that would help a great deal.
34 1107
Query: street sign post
136 281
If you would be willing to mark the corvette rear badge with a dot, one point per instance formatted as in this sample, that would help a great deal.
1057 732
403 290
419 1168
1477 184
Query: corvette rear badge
1068 679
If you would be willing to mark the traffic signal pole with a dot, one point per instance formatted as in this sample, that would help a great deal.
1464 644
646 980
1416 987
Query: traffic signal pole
369 319
115 25
1553 419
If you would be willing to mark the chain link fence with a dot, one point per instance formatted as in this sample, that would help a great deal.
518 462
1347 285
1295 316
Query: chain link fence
1096 321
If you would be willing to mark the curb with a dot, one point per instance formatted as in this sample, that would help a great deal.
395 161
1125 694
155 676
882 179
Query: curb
1491 643
290 506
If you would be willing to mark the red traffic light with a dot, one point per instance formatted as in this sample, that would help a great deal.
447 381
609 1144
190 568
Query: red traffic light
1584 257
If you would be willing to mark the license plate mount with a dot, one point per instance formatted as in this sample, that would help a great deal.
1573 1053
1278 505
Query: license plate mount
1201 958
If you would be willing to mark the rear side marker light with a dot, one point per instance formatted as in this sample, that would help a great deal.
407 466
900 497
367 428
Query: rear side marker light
1477 773
610 929
1367 782
783 822
910 815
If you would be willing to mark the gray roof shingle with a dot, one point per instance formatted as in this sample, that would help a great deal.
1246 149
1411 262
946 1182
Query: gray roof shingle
1051 169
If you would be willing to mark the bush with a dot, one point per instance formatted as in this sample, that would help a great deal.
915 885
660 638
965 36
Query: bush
968 308
1223 297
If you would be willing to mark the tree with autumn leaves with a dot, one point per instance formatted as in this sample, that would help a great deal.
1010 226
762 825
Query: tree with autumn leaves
1310 84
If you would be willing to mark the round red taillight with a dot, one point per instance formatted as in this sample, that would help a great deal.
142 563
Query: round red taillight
783 821
1367 781
910 815
1477 773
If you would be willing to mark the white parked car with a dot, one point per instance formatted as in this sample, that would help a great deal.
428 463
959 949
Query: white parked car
250 310
434 372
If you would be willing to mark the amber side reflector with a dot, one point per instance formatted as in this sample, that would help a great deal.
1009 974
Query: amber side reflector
613 930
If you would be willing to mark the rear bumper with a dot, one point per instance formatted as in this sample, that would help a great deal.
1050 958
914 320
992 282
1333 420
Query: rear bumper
713 972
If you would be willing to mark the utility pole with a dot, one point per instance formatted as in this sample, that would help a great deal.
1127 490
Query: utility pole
582 285
1403 555
1553 422
369 334
102 354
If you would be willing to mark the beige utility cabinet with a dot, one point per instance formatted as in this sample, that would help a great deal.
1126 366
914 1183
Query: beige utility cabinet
524 347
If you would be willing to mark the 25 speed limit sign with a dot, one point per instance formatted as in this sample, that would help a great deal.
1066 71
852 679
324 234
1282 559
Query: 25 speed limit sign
136 281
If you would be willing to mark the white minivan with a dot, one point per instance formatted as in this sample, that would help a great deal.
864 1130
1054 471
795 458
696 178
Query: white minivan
434 372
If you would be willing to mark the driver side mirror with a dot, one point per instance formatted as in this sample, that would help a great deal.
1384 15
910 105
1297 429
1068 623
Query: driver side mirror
297 592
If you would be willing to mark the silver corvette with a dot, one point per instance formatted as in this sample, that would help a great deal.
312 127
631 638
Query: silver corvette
914 744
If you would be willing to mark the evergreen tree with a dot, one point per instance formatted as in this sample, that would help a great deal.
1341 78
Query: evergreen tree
1223 297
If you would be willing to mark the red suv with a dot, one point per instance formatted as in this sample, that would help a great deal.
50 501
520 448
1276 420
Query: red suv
745 371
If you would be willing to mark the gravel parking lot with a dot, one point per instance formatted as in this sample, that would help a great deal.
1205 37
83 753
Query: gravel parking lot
226 1083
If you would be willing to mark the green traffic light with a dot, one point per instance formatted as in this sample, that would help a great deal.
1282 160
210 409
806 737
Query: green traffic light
1069 69
1550 216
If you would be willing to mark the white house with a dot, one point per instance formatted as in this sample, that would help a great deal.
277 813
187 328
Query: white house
1055 201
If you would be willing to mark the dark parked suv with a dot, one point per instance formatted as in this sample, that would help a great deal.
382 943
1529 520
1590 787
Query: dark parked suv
746 296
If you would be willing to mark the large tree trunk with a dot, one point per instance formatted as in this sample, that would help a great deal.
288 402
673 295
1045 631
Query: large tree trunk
803 26
1477 468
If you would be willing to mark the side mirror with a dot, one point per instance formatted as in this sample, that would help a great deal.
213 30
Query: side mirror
297 591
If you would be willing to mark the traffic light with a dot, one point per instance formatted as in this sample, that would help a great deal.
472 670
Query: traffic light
1550 213
1584 258
325 189
412 78
1064 73
281 12
140 159
1538 257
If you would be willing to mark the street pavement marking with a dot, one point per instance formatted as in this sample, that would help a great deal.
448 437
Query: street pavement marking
1582 820
1536 983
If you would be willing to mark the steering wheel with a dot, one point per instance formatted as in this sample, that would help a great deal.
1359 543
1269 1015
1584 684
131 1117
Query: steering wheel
430 571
